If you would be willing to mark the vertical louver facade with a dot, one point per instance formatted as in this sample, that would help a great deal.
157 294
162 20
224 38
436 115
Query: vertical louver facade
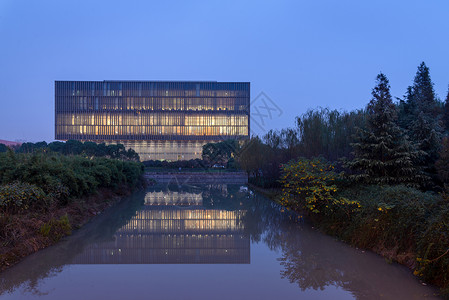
158 119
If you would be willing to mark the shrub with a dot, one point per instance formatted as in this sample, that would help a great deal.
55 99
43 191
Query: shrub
19 196
56 229
433 247
66 177
391 216
311 185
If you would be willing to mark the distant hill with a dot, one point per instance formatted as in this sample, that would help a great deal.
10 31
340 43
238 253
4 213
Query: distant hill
10 143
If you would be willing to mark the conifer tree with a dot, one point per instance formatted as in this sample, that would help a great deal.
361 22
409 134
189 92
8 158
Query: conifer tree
446 112
382 153
442 164
406 109
427 135
422 92
420 97
424 126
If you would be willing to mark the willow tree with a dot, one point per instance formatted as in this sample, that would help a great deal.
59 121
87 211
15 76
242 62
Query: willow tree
382 153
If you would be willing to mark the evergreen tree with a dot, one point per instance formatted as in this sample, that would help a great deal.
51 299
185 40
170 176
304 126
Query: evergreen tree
442 164
382 153
427 134
406 109
446 112
420 97
424 126
422 92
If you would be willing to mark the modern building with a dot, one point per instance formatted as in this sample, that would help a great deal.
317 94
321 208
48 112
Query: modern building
160 120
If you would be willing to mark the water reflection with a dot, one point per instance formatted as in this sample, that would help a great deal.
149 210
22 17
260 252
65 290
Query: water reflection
205 226
174 227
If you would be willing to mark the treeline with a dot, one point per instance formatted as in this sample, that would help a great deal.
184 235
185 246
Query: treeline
387 142
73 147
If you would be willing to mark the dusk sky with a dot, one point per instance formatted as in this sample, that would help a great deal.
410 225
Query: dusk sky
302 54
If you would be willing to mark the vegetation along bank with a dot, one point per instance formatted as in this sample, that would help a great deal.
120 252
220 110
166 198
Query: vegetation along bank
377 177
44 195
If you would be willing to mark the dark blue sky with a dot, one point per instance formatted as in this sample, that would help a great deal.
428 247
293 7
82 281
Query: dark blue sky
302 54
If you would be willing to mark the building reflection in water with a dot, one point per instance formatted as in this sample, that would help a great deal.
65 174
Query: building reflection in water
174 228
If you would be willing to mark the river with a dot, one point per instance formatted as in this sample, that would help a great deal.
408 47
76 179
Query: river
205 242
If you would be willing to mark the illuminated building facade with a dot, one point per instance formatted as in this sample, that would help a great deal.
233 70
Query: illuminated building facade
160 120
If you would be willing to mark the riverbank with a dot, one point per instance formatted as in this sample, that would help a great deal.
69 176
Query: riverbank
44 196
198 177
32 231
399 223
271 193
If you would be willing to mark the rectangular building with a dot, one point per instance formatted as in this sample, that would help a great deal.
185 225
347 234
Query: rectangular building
160 120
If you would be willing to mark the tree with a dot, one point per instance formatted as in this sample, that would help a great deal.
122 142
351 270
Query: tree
273 139
328 133
290 141
252 156
427 135
73 147
446 112
382 153
423 120
219 153
420 97
442 164
422 92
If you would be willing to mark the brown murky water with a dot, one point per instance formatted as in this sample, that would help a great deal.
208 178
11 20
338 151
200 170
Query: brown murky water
205 242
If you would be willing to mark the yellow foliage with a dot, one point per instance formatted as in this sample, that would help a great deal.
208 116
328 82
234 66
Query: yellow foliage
309 184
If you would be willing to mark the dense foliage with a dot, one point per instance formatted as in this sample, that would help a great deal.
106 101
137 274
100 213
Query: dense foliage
442 164
18 196
72 147
328 133
219 153
41 179
311 185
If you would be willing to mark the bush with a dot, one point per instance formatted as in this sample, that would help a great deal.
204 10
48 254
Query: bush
62 178
311 185
18 196
56 229
433 247
391 216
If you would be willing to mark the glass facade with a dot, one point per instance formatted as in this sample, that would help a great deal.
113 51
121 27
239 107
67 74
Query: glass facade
158 119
